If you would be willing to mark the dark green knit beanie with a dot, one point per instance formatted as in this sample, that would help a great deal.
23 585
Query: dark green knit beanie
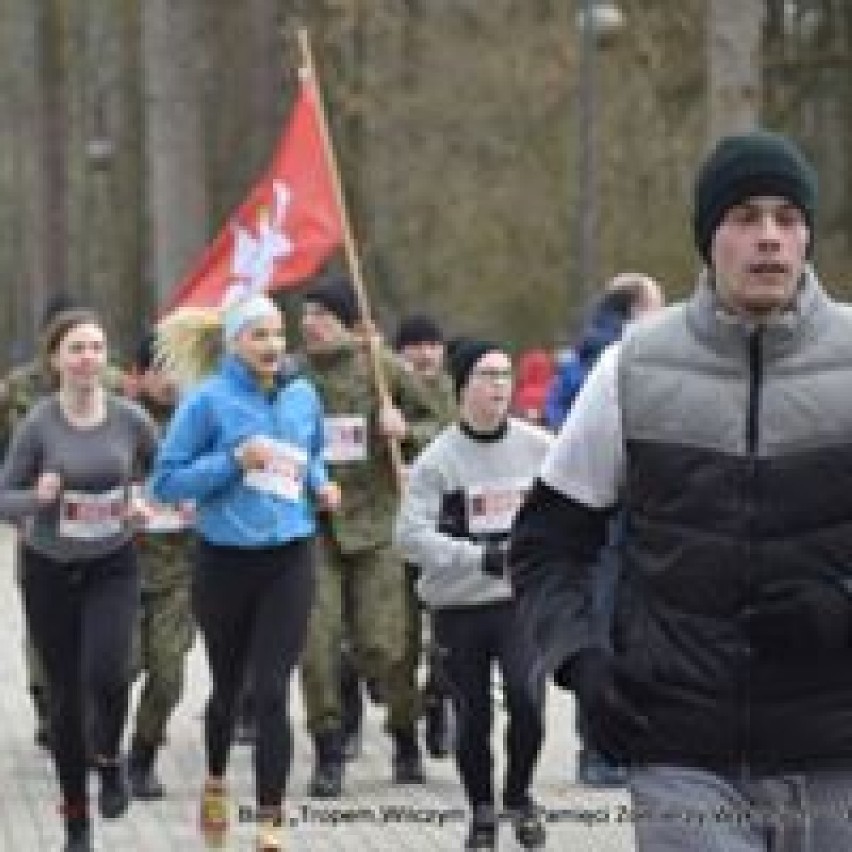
749 164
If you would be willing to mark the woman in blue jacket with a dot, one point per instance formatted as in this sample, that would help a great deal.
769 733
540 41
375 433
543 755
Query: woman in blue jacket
246 446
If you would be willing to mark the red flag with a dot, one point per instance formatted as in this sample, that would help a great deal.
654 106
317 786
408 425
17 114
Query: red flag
284 230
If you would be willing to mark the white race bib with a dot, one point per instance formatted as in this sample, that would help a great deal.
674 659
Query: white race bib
92 516
345 438
492 507
284 474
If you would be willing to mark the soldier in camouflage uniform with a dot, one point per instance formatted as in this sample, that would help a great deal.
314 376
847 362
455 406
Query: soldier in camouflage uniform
357 560
420 343
166 629
21 388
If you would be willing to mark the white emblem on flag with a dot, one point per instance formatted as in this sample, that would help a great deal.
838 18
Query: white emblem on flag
255 255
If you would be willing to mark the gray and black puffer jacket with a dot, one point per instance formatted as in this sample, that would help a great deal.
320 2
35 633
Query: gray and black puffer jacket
733 625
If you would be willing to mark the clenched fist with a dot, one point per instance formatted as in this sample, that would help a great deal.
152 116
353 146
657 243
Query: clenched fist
328 497
254 454
47 488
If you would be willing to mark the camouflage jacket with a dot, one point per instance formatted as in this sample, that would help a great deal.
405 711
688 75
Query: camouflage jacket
344 379
443 397
164 557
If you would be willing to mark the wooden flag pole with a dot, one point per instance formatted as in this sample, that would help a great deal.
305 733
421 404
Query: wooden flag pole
352 256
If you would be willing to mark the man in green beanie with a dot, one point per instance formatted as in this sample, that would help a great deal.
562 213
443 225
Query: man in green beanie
361 591
166 630
720 428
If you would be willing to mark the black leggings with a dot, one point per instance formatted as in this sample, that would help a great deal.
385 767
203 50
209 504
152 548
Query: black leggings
471 639
252 607
81 616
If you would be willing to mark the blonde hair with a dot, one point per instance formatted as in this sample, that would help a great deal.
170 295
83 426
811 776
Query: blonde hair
189 343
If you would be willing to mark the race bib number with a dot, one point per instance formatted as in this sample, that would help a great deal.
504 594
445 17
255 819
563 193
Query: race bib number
345 438
92 516
491 508
284 475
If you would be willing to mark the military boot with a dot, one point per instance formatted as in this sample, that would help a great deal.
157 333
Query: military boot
114 793
407 766
327 778
142 774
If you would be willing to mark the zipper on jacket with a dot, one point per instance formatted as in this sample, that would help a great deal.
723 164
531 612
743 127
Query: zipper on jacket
755 382
752 436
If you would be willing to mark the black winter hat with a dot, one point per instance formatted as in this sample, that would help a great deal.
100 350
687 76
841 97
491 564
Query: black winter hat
745 165
463 357
336 295
417 328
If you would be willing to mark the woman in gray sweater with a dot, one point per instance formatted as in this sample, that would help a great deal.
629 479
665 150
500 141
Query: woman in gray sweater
454 522
66 481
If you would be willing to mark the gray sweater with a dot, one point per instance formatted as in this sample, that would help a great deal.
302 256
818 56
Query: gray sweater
463 492
96 467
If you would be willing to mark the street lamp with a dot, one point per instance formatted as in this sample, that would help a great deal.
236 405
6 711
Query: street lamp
597 22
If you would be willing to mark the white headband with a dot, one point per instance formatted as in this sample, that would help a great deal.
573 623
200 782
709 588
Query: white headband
243 311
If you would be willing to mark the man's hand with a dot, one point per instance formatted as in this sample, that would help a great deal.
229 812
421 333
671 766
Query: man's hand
47 488
614 722
329 497
495 560
392 422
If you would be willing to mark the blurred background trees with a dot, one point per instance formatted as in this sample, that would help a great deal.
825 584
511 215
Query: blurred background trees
498 164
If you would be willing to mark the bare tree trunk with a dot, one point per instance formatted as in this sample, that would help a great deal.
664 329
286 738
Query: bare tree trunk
266 92
175 146
53 122
32 146
734 29
18 136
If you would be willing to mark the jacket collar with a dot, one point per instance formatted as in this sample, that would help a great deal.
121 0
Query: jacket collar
238 373
721 329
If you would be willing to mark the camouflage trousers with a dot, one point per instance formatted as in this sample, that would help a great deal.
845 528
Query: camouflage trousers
165 635
360 598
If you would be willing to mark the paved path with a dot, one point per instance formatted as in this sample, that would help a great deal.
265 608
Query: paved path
373 815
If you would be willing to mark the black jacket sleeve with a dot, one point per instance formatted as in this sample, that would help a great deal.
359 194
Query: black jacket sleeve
556 542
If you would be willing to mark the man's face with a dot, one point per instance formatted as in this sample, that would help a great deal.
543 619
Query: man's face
425 358
758 253
487 394
261 345
321 328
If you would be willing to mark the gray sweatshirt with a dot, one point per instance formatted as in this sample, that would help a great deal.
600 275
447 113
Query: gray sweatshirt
96 467
463 492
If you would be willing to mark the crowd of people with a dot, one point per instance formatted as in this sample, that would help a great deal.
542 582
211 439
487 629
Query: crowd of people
655 519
